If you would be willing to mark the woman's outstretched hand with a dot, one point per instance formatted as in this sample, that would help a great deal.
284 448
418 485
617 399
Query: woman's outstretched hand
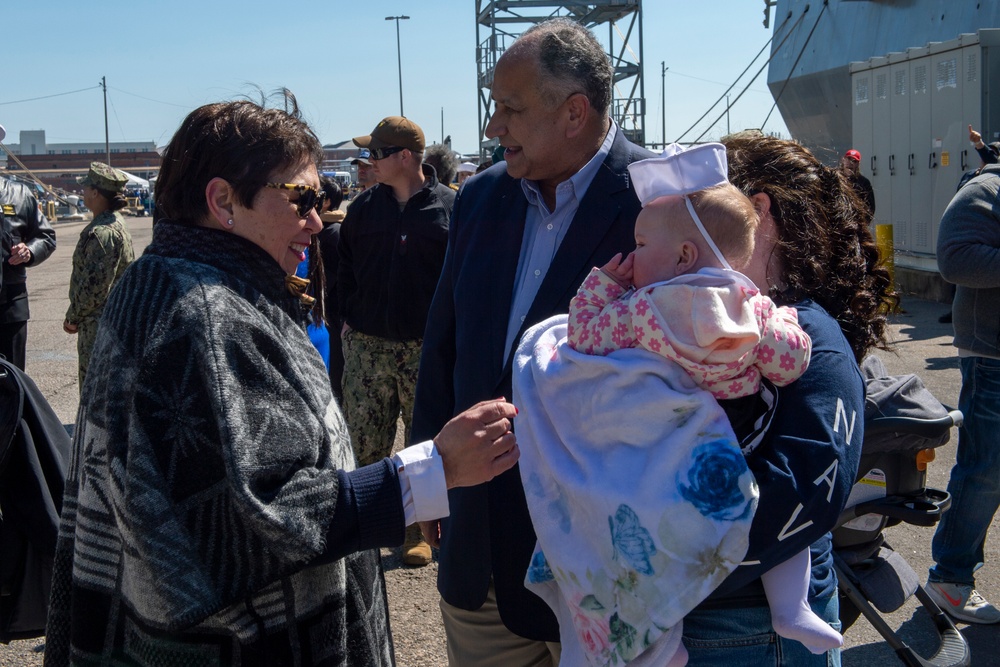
478 444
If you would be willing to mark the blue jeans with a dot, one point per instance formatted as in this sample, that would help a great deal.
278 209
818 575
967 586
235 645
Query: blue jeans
957 548
740 637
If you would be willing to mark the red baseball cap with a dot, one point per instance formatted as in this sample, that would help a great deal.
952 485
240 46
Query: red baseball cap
854 155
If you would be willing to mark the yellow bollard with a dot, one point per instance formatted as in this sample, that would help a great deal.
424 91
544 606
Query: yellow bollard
886 250
50 210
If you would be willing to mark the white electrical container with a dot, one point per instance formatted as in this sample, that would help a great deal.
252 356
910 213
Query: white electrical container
911 113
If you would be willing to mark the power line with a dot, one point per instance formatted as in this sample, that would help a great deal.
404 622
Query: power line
150 99
795 64
733 85
717 83
766 63
118 120
45 97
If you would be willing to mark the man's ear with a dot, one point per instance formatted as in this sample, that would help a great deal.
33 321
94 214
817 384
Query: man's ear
577 111
220 197
687 258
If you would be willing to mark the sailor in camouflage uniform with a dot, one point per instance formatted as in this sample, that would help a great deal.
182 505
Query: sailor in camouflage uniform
101 256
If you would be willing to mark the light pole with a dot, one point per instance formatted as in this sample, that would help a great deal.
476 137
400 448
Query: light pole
663 101
107 149
399 57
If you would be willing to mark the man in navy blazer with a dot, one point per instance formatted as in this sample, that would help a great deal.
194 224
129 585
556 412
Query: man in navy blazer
523 236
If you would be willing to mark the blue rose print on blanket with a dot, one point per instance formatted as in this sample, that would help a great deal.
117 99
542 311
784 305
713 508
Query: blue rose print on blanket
712 482
539 571
640 497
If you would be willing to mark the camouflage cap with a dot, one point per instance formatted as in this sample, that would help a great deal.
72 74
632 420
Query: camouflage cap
104 177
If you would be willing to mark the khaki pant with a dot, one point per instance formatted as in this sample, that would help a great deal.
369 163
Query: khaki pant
480 639
380 377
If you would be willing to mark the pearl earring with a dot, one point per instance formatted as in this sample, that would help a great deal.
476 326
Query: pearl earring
230 223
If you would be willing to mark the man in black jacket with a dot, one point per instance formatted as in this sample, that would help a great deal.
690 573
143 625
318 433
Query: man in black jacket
850 164
392 246
32 241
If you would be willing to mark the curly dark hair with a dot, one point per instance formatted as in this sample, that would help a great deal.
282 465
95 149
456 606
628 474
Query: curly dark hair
825 246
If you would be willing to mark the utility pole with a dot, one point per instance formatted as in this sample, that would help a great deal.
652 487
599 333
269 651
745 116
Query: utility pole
399 57
107 145
663 101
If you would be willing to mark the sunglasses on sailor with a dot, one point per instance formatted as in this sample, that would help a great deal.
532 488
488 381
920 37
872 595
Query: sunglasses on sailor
383 153
309 197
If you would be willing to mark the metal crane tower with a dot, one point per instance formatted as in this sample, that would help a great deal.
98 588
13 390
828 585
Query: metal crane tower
500 22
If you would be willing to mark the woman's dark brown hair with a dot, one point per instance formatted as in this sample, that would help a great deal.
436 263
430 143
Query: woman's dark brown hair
116 200
824 244
242 142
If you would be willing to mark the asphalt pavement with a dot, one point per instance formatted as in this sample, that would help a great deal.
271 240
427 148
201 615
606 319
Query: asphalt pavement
51 354
923 346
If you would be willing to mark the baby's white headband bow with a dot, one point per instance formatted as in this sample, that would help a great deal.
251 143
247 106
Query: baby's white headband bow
679 171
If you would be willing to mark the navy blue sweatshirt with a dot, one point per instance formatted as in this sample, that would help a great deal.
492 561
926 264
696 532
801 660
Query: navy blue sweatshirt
805 466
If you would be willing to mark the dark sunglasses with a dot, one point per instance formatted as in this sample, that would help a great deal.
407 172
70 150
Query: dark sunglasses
383 153
309 197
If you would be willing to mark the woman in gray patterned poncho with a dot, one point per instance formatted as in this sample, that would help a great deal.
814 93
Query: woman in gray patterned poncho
213 514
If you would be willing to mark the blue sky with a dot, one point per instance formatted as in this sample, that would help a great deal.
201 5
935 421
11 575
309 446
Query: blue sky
164 58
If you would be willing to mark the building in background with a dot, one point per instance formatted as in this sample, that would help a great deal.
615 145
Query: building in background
59 164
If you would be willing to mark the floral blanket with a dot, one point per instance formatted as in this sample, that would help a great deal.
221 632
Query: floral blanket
638 492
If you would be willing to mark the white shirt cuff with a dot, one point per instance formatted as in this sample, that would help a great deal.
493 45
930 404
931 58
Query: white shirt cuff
422 483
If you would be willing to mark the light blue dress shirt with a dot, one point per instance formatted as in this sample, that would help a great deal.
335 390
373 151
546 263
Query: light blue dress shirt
544 230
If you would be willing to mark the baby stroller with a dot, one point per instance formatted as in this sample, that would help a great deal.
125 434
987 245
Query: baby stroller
903 425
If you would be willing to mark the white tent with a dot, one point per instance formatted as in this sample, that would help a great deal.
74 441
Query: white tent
134 181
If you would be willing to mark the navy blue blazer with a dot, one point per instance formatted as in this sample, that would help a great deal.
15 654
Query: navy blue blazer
464 361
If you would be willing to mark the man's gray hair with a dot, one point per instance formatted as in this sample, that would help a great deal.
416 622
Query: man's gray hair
444 161
573 61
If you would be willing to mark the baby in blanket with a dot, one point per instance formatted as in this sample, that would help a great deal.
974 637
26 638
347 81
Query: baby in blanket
677 296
